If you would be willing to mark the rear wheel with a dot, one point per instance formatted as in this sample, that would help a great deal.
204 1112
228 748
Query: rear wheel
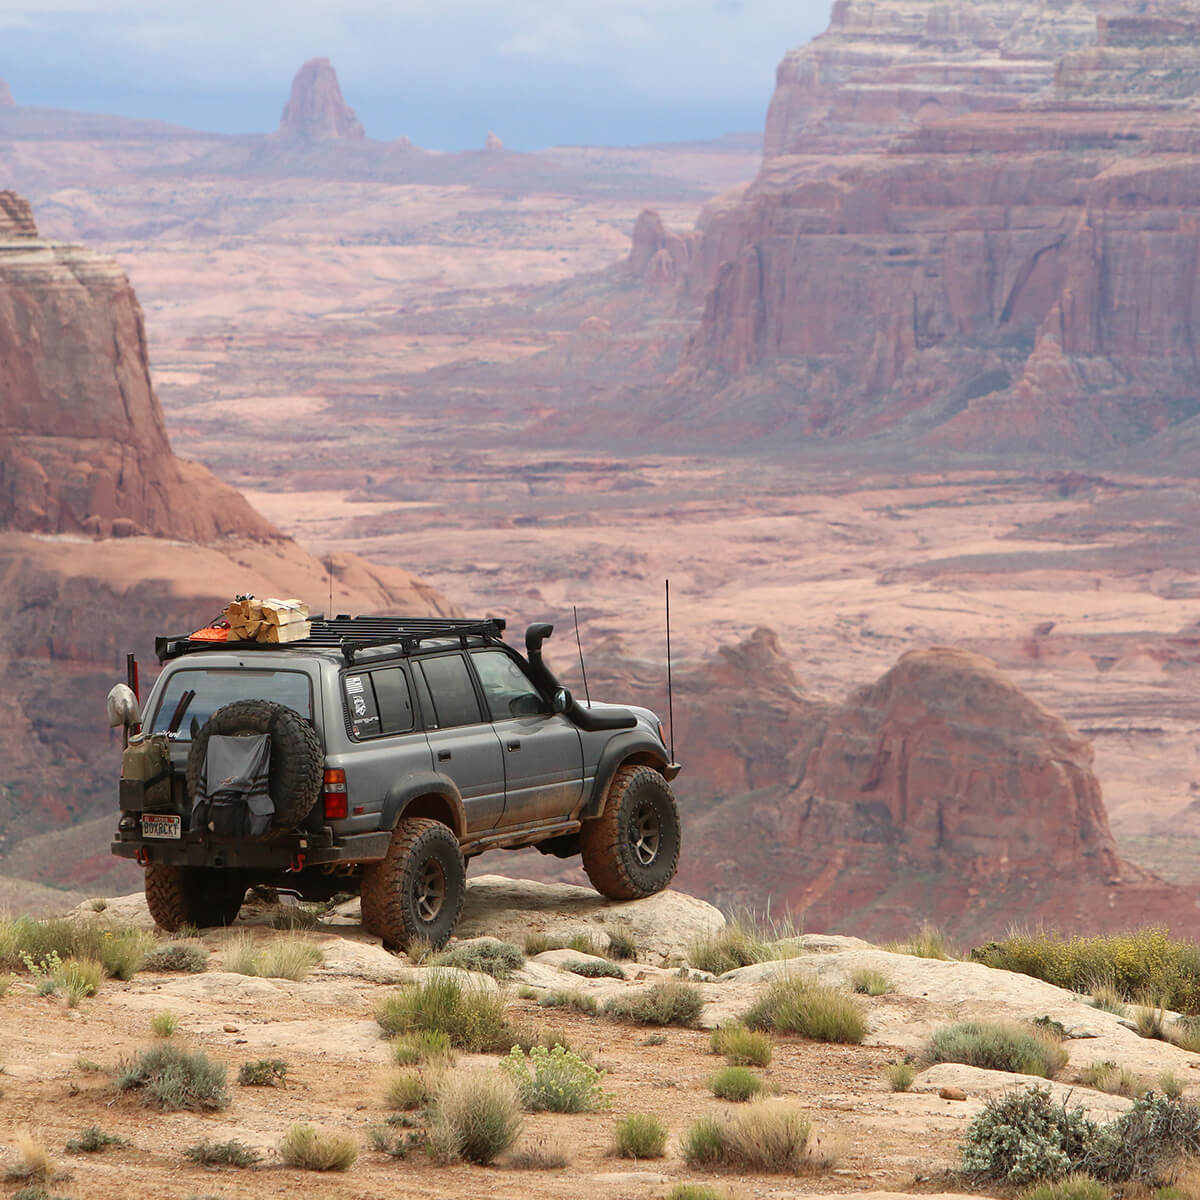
417 891
632 849
199 896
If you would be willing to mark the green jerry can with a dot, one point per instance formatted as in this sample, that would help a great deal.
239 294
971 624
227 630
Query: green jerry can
146 774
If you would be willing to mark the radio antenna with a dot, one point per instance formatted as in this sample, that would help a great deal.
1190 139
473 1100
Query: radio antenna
329 572
583 670
670 690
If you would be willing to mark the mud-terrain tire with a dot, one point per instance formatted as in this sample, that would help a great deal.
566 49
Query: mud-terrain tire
632 849
297 760
199 896
416 891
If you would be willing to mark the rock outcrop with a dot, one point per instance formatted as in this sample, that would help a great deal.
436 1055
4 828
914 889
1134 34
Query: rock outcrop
316 110
993 281
492 142
658 256
6 96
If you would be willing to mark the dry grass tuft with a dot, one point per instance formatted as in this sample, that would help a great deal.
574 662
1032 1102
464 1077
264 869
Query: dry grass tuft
313 1149
802 1004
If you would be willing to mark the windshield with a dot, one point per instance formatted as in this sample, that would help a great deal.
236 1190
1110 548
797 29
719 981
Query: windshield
215 688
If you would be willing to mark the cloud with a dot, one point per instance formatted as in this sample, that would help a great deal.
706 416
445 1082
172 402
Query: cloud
701 56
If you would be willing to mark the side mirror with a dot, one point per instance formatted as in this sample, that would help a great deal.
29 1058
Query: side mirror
123 707
562 700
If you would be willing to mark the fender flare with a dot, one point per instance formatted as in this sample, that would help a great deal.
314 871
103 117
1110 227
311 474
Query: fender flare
416 785
638 746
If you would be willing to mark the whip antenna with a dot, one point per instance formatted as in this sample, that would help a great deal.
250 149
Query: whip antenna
670 690
583 670
329 572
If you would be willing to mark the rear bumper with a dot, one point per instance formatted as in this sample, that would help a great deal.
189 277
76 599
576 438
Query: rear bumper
291 853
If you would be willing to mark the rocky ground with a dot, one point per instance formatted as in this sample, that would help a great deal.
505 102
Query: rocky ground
887 1142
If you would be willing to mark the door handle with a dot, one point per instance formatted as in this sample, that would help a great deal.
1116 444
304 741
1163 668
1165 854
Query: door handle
443 756
514 746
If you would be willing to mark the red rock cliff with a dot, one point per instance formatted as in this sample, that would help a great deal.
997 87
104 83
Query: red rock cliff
316 110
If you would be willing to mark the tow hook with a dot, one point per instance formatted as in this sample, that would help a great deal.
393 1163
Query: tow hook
143 855
297 864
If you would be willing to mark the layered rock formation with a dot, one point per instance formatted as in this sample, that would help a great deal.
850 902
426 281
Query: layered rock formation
993 281
316 110
6 96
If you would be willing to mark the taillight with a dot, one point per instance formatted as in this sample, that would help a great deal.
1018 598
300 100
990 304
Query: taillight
336 797
662 734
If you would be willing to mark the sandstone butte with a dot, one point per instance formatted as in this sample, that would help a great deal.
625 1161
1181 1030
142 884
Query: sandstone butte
940 792
316 110
105 535
974 227
6 96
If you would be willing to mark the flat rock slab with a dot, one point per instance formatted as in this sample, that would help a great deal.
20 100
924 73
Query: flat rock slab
663 926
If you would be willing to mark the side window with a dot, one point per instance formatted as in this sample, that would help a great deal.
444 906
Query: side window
507 688
394 700
360 699
453 693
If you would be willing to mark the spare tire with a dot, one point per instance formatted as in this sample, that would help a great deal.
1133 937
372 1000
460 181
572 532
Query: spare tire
297 760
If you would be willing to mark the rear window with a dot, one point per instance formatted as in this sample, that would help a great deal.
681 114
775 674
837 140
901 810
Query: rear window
378 702
215 688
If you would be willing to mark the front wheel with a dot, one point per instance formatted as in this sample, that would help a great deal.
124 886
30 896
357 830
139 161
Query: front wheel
632 849
199 896
416 892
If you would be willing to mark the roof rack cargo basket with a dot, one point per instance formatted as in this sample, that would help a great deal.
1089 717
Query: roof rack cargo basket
349 635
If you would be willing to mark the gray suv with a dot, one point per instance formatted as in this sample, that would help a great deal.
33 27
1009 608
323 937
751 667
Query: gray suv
381 754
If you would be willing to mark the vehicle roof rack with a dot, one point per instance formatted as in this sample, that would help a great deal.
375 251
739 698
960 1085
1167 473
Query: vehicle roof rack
349 635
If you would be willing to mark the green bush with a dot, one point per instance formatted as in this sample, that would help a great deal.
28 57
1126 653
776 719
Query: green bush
866 981
263 1072
929 942
497 959
900 1075
998 1046
171 1078
736 1083
422 1046
472 1018
164 1024
177 956
622 945
767 1136
406 1090
741 1046
669 1002
1144 962
526 1035
576 1001
1074 1187
92 1140
641 1135
1144 1144
555 1080
317 1150
801 1004
476 1116
223 1154
595 968
77 978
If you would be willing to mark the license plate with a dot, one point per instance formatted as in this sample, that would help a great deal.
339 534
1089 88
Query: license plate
161 826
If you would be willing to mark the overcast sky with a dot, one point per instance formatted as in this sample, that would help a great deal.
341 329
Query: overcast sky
443 72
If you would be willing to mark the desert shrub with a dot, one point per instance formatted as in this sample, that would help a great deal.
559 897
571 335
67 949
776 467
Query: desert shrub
35 1161
164 1024
669 1002
405 1090
398 1145
538 943
541 1155
641 1135
472 1018
1171 1085
172 1078
263 1072
741 1046
177 956
87 1065
497 959
222 1154
736 1083
1150 1021
584 943
768 1136
735 945
476 1116
1106 998
866 981
1023 1136
576 1001
595 968
526 1035
1185 1033
622 945
1145 1143
422 1046
317 1149
6 981
802 1004
998 1046
1074 1187
1108 1077
93 1140
900 1075
555 1080
1143 962
77 978
694 1191
279 958
928 942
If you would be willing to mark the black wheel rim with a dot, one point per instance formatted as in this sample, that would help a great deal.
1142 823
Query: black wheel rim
429 891
645 834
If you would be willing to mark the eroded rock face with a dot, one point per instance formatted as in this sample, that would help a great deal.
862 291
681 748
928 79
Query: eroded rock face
316 110
6 96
